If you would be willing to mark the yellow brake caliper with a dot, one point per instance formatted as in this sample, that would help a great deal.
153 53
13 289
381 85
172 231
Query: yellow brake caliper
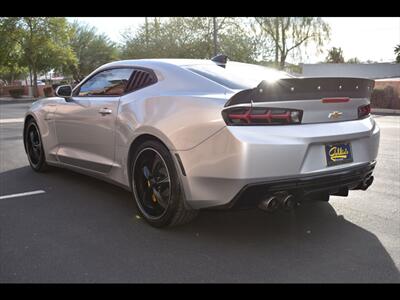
153 197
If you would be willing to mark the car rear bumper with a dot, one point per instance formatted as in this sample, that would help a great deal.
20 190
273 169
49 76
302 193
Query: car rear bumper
355 178
236 156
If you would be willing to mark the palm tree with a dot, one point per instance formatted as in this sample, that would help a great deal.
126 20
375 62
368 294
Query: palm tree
397 52
335 56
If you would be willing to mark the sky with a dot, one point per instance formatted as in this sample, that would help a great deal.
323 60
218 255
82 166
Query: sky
367 38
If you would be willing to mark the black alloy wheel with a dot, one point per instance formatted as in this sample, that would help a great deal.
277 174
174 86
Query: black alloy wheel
34 147
157 188
152 182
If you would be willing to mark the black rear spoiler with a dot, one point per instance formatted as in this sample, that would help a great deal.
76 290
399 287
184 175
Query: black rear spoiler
288 89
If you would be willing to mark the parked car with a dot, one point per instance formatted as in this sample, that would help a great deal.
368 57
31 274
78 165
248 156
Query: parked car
183 135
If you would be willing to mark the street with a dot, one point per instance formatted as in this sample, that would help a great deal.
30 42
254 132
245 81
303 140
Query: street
81 229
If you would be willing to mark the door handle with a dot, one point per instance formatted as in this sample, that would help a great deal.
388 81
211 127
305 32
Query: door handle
105 111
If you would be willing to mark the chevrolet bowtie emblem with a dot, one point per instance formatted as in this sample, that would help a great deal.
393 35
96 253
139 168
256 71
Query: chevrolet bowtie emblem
335 115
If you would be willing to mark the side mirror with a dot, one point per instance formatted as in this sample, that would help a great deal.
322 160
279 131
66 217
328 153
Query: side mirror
64 91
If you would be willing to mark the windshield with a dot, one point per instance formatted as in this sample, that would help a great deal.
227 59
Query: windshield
238 75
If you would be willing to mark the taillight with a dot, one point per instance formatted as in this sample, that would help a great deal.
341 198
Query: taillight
364 111
261 116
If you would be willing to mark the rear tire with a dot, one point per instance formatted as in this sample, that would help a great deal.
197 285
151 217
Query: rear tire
34 147
156 187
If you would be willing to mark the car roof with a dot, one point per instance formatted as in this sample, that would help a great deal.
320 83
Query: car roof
163 61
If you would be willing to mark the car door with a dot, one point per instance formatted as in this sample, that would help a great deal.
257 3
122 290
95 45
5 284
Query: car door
85 123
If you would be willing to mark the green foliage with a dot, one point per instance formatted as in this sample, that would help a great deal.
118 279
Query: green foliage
180 37
397 52
290 34
34 45
43 42
11 66
90 49
353 60
335 56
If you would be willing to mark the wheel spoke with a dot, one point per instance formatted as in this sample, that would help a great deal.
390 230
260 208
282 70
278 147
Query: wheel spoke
32 152
31 137
160 199
147 198
162 181
146 172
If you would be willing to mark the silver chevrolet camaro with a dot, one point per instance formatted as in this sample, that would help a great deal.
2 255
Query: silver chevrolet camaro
183 135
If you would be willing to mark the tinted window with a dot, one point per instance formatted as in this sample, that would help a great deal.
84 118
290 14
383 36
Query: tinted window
237 75
110 83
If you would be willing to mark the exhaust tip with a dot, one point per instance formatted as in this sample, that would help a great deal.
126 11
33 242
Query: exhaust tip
289 202
270 204
367 183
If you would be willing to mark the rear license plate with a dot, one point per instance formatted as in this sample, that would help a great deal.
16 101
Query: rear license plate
338 153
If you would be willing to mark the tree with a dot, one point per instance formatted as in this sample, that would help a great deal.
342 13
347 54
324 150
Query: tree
353 60
397 52
91 50
189 38
10 53
44 43
335 56
292 33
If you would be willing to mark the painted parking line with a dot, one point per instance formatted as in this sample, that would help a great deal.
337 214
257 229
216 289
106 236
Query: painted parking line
22 194
15 120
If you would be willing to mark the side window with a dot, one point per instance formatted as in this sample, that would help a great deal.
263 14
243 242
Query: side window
107 83
141 79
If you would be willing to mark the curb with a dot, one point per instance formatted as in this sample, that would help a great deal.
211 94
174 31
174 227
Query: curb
385 111
14 101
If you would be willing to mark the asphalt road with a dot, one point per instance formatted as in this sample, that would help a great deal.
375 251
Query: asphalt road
85 230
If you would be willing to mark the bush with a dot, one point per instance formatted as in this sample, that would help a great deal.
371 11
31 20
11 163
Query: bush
16 93
48 91
385 98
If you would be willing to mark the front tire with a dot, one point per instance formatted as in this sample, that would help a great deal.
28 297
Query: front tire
34 147
156 187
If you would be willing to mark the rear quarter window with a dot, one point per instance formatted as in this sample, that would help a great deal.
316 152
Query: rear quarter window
237 75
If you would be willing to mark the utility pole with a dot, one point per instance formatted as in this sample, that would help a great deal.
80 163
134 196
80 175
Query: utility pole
215 36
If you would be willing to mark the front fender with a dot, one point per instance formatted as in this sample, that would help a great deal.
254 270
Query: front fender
42 111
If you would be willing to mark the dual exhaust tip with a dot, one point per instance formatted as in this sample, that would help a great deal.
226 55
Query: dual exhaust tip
280 199
367 182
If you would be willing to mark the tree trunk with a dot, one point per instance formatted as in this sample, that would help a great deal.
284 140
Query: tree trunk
215 36
276 41
156 27
30 76
283 49
282 62
35 90
147 32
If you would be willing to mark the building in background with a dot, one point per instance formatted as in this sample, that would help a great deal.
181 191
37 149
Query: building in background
372 71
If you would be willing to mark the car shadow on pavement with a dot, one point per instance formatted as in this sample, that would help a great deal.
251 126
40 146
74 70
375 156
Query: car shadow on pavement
91 223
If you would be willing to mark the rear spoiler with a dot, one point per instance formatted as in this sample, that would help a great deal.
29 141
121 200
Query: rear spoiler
289 89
